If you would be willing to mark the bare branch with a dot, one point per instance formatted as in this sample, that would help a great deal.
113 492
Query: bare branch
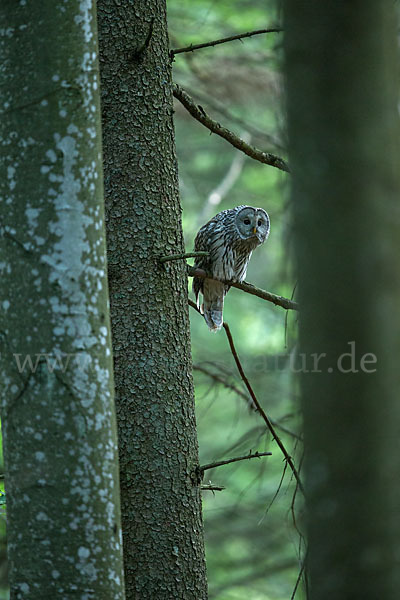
199 113
212 488
226 384
300 575
250 289
220 463
164 259
260 409
267 421
276 493
248 400
221 108
231 38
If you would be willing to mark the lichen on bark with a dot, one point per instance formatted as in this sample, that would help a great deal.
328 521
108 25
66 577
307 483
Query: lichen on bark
57 409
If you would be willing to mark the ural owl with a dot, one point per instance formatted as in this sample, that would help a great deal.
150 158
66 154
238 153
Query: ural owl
230 238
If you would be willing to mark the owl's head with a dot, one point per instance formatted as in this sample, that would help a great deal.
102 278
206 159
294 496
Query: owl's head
252 223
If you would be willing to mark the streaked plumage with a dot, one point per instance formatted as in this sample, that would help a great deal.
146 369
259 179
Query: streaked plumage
230 238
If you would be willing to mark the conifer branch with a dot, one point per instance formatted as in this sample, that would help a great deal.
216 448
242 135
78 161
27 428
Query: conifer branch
263 414
168 257
212 488
249 289
200 115
236 390
231 38
220 463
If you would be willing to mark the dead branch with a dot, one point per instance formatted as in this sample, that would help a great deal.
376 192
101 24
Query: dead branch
164 259
239 392
221 108
260 409
220 463
226 384
200 115
256 402
250 289
231 38
212 488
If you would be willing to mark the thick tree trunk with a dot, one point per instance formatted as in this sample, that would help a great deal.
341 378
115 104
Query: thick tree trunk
161 506
342 79
57 409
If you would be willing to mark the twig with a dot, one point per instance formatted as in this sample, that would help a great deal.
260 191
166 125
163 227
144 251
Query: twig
199 113
231 38
220 463
298 580
256 402
250 289
218 106
212 488
292 434
275 495
293 507
226 384
164 259
239 392
259 407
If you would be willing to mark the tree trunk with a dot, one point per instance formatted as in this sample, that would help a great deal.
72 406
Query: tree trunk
161 505
57 409
342 76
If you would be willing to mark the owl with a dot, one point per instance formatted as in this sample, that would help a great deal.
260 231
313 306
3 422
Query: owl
230 238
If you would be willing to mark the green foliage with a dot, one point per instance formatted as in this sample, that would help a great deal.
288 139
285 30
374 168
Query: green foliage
252 546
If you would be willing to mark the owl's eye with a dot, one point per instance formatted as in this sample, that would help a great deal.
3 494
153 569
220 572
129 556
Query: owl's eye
259 222
246 221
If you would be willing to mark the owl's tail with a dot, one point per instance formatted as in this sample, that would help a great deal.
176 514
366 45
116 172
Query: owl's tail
213 304
213 314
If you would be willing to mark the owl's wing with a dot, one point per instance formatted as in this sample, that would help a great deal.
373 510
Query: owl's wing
201 262
242 262
197 287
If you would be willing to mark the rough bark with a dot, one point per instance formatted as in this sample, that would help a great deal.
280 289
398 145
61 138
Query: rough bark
57 410
342 79
161 506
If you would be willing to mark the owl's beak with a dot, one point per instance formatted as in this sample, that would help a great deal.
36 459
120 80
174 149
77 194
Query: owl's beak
254 230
